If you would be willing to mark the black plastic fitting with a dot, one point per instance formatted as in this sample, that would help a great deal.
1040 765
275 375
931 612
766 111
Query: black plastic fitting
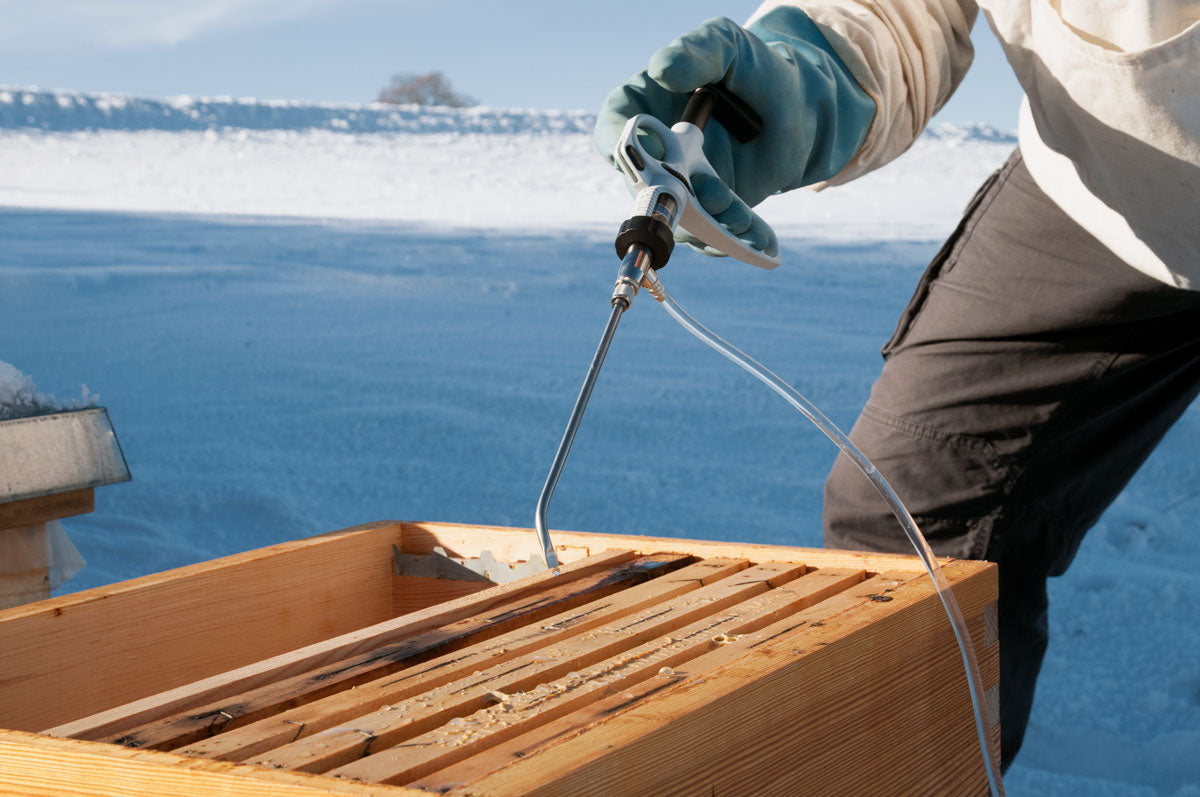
649 232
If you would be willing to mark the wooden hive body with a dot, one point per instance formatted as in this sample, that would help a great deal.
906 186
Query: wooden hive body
647 666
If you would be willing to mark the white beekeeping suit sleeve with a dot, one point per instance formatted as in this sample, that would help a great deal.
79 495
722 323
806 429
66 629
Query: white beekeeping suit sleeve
908 55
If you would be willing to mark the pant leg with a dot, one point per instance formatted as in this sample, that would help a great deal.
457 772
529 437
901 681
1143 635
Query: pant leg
1031 375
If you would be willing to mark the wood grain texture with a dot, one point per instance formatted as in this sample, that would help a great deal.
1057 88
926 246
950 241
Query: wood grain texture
874 695
70 657
225 716
36 765
327 650
667 659
413 593
806 592
31 511
421 713
213 617
517 544
814 709
266 734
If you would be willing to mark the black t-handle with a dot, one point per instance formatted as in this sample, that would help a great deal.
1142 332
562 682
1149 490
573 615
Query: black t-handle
731 111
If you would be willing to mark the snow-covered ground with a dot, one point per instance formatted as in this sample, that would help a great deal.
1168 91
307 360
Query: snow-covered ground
477 168
305 317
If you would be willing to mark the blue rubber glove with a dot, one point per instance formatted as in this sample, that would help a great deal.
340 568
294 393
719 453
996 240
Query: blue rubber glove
815 115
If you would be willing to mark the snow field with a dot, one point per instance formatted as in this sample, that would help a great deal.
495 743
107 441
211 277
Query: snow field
478 168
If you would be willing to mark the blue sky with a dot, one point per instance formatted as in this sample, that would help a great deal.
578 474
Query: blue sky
521 53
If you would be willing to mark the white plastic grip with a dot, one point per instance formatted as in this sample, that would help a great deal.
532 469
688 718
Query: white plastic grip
683 150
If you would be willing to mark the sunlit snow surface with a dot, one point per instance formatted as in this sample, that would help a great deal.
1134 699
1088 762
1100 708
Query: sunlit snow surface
299 324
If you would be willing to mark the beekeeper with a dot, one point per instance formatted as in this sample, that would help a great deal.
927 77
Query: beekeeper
1053 340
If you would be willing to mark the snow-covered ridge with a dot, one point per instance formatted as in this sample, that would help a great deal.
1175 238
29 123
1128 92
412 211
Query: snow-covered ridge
69 111
957 133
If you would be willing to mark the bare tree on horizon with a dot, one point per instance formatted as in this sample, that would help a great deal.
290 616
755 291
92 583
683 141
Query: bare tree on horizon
432 88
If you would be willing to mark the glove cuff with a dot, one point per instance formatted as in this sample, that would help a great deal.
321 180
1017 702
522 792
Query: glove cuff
844 110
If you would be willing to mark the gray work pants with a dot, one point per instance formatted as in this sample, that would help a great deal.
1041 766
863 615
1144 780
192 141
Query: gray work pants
1029 378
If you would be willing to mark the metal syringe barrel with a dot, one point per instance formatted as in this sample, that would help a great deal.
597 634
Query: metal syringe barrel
645 240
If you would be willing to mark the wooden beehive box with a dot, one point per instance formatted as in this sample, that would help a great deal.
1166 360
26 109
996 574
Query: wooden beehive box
647 666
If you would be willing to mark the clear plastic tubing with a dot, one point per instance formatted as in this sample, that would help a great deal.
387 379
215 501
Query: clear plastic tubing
810 411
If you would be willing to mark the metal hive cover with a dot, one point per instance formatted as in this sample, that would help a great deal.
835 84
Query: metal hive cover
47 454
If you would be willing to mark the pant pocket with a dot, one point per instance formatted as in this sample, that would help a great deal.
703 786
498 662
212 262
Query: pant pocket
937 266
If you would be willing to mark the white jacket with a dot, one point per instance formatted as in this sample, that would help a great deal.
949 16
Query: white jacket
1110 124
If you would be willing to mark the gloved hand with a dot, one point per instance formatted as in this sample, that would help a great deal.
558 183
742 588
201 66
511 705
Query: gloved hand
815 115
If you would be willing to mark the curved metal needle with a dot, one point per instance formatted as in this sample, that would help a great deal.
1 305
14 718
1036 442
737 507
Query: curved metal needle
564 447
